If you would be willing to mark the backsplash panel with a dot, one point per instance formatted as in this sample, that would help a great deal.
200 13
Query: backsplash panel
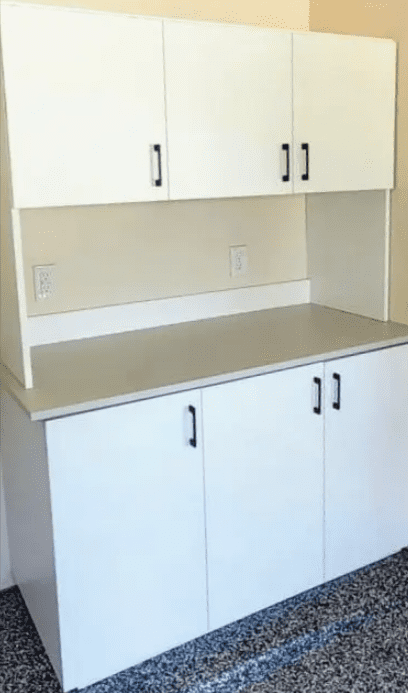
114 254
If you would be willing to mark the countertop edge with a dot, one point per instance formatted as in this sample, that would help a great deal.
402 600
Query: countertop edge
117 400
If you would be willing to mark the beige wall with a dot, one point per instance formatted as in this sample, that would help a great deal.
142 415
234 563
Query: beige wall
107 255
291 14
384 20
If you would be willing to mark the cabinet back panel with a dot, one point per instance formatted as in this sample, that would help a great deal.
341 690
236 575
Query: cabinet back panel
114 254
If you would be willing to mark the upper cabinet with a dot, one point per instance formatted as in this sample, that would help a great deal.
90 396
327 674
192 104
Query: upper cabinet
85 105
96 102
229 109
344 109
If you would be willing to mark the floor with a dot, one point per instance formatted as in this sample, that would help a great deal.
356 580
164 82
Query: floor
346 636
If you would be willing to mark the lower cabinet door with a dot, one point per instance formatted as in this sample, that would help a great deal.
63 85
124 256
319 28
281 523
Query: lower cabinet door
129 538
263 447
366 462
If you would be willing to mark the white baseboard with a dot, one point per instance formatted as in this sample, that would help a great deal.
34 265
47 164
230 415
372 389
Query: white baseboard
95 322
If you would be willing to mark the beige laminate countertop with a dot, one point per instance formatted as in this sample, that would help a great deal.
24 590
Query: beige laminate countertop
80 375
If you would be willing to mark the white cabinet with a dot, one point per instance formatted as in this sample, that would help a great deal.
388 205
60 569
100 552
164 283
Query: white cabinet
85 104
145 541
229 109
344 109
366 459
95 101
129 539
264 491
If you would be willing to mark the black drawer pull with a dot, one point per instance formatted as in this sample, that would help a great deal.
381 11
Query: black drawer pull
156 149
318 409
336 400
286 177
193 440
305 176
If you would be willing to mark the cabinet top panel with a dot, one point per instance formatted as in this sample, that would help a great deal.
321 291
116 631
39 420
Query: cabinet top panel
82 375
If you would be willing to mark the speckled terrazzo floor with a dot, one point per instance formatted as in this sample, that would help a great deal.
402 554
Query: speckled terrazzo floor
346 636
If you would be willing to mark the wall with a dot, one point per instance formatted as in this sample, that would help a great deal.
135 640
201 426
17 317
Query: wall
384 20
292 14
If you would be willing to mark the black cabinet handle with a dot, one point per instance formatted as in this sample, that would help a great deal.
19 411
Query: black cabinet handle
286 177
318 408
193 440
336 401
305 176
156 149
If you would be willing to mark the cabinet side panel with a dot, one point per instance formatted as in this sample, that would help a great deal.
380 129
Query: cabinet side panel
346 246
6 576
26 486
14 350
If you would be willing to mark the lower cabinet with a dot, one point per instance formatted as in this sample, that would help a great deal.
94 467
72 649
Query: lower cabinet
129 538
179 514
263 445
366 458
132 502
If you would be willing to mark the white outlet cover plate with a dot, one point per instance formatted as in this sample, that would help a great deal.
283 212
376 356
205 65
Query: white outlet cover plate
238 260
43 281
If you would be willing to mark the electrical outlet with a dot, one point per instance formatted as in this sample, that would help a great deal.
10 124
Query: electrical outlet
238 260
43 281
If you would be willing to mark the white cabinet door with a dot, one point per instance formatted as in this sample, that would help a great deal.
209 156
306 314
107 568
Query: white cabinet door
264 491
366 453
128 515
85 102
344 105
229 109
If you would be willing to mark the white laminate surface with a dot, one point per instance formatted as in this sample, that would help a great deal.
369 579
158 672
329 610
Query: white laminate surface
263 448
127 496
87 374
366 449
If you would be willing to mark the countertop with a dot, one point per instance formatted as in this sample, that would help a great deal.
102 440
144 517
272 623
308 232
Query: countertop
81 375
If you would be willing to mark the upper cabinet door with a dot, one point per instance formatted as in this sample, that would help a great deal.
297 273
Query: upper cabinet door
229 109
344 105
85 102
